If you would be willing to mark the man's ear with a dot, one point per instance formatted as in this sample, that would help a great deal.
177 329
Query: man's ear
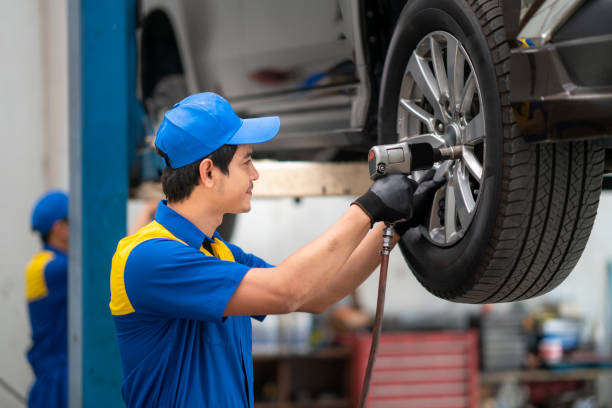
206 172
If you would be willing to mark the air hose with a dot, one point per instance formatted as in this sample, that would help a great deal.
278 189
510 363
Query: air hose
387 245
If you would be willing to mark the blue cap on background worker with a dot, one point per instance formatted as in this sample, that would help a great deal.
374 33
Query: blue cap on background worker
46 277
51 207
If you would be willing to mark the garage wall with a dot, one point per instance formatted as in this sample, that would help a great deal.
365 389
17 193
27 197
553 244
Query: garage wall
54 53
33 113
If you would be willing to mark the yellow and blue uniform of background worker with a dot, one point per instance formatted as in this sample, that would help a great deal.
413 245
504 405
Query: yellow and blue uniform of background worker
46 293
170 284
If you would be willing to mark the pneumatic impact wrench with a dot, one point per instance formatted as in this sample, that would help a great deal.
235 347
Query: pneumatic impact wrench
403 158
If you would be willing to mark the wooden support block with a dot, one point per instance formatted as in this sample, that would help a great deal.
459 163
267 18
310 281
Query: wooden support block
310 179
293 179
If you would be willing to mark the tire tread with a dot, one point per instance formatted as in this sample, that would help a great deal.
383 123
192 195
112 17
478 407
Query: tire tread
546 197
553 224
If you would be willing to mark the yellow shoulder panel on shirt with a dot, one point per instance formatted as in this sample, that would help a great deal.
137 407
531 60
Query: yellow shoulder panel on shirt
36 286
120 303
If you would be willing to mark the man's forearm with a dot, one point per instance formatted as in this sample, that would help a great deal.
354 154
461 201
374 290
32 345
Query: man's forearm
362 262
310 269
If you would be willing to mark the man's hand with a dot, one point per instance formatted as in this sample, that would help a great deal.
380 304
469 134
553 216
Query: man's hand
422 199
389 199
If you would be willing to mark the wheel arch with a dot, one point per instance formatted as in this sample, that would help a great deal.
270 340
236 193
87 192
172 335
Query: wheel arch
159 51
378 20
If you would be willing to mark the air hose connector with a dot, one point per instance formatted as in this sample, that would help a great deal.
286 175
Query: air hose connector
387 239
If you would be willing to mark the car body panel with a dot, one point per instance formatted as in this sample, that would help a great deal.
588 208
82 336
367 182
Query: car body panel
550 15
290 58
568 74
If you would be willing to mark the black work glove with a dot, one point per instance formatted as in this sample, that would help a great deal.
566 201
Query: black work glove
422 199
389 199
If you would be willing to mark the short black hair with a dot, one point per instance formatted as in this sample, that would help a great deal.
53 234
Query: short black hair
178 184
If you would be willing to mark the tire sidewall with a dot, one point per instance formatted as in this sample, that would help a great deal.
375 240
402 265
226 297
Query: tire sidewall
448 272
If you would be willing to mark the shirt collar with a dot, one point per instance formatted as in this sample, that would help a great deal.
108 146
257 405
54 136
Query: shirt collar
180 226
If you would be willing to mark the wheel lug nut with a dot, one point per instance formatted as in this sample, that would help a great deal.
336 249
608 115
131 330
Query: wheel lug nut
440 127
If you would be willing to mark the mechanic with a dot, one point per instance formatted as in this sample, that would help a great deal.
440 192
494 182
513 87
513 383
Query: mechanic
46 292
182 298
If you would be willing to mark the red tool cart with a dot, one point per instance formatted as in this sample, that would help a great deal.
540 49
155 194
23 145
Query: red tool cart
418 369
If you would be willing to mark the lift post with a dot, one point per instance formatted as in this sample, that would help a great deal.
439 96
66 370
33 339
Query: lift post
102 58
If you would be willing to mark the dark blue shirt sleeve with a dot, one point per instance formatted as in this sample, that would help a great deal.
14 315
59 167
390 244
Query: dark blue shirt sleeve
251 260
56 277
166 277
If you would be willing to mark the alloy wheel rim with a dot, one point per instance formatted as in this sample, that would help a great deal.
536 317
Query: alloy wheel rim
440 103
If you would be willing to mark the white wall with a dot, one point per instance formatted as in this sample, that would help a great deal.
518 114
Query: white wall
54 52
33 142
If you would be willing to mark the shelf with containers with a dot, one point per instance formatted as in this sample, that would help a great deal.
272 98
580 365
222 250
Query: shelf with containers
303 379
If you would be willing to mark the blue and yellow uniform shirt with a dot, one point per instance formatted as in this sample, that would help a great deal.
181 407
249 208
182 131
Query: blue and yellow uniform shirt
168 295
46 292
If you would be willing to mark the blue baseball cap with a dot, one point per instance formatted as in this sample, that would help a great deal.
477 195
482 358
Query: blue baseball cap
201 123
52 206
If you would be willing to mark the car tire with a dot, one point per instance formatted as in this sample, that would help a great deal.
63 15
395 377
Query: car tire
534 203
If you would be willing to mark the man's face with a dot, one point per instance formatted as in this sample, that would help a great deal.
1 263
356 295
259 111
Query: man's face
64 230
59 234
237 186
